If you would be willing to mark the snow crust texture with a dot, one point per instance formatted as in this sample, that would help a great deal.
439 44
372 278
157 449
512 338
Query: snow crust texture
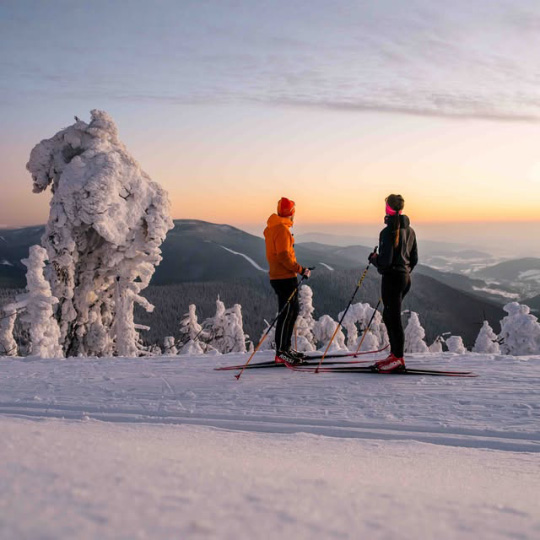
166 447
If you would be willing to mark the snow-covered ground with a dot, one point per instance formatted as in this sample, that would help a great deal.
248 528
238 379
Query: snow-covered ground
169 448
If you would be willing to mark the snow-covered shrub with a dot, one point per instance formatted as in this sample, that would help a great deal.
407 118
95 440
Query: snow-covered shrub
226 330
355 324
169 346
304 339
324 330
270 341
486 341
455 345
414 335
437 345
520 331
106 224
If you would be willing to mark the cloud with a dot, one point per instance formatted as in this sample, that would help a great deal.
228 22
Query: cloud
459 59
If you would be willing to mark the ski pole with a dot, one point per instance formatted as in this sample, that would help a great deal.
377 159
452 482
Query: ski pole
368 326
358 285
289 300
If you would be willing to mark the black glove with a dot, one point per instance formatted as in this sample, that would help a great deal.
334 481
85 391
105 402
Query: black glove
372 257
306 272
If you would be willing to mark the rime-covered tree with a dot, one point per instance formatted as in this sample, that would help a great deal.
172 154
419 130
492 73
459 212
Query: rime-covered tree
169 346
520 331
226 329
455 345
414 335
270 341
437 345
234 330
486 341
192 333
354 315
8 345
38 302
324 330
305 341
107 222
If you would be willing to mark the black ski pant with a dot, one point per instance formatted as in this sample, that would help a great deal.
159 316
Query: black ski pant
285 323
395 285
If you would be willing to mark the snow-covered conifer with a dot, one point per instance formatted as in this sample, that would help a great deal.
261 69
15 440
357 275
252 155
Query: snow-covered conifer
169 347
354 315
414 335
437 345
39 302
455 345
486 341
192 334
324 330
520 331
304 339
106 224
234 337
226 329
270 342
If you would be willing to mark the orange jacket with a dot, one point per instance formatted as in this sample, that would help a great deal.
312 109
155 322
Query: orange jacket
280 248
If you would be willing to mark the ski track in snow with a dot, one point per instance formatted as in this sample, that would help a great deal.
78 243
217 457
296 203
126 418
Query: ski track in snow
249 259
327 266
498 410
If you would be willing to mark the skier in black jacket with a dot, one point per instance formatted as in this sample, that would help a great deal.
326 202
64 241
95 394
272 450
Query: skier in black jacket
398 255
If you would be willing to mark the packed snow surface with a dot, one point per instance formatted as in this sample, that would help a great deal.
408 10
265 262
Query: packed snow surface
166 447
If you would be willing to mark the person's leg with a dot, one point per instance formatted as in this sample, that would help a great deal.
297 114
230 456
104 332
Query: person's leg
394 287
391 310
285 323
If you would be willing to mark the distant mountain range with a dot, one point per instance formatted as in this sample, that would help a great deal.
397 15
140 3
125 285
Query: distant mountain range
202 260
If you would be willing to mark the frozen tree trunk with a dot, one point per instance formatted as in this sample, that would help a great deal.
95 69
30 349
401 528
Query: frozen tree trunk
305 341
414 335
455 345
520 331
39 302
8 345
486 341
107 222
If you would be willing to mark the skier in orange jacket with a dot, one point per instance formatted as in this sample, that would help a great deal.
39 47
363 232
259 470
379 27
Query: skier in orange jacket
283 270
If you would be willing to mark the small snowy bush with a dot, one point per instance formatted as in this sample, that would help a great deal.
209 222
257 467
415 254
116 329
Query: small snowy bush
520 331
455 345
414 335
486 341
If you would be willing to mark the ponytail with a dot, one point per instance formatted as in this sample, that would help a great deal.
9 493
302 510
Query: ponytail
397 225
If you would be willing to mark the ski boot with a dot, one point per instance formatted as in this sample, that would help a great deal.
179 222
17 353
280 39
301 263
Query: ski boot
389 364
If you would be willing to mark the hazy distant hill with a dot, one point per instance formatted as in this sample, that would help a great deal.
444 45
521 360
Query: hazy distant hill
520 274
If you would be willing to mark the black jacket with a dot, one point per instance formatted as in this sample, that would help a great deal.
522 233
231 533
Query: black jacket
401 259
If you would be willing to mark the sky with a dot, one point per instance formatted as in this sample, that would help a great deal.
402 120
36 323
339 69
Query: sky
232 104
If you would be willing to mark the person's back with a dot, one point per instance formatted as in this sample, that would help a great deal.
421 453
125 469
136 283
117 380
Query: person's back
283 268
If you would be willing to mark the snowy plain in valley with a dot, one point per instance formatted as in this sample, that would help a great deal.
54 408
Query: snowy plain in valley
166 447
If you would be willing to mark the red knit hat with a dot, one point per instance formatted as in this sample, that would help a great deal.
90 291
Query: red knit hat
285 207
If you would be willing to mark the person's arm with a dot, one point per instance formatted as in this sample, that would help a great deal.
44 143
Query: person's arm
414 254
285 251
386 250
